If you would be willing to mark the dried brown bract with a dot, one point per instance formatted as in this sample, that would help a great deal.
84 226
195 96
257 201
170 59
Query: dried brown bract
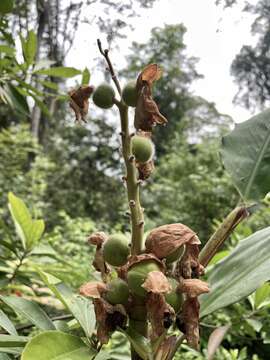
190 267
164 240
145 170
147 113
190 318
99 264
97 238
79 101
160 314
93 289
156 282
194 287
108 318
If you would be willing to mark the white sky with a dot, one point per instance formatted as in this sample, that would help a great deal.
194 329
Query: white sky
214 35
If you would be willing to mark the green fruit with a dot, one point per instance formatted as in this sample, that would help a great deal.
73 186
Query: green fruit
142 148
137 275
129 94
117 292
176 255
116 250
6 6
174 298
103 96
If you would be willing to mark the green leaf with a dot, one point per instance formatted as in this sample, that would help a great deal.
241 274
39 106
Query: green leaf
262 296
239 274
7 50
6 6
11 350
6 324
12 341
85 76
50 85
30 311
16 100
61 71
29 47
246 156
56 345
81 308
29 231
141 345
4 356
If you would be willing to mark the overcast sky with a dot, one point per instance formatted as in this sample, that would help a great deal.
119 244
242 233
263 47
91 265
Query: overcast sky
213 35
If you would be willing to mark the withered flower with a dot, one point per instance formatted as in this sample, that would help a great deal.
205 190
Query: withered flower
79 101
99 264
147 113
93 289
145 170
194 287
190 319
157 283
164 240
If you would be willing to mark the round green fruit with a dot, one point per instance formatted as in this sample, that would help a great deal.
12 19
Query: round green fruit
176 255
142 148
129 94
117 292
6 6
174 298
103 96
137 275
116 250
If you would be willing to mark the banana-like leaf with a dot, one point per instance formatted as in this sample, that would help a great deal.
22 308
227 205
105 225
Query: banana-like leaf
30 311
246 156
81 308
56 345
239 274
12 341
6 324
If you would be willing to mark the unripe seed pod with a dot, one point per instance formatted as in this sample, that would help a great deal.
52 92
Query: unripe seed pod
176 255
103 96
116 250
117 292
129 94
142 148
174 298
137 275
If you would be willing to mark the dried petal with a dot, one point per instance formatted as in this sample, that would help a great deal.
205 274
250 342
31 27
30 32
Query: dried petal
164 240
157 282
160 314
145 170
79 101
93 289
97 238
194 287
108 318
190 318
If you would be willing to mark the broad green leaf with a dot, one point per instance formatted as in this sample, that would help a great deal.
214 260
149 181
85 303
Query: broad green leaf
56 345
11 350
246 156
6 6
6 324
81 308
42 64
50 85
42 106
12 341
255 324
61 71
7 50
141 345
239 274
4 356
85 76
16 100
29 231
29 47
103 355
262 296
30 311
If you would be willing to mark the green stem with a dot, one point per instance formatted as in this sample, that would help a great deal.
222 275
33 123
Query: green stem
222 233
133 185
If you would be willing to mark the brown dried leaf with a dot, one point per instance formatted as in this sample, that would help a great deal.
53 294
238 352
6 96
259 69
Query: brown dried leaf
108 318
215 340
194 287
151 73
100 265
165 239
93 289
190 317
189 267
160 314
165 348
157 282
79 101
